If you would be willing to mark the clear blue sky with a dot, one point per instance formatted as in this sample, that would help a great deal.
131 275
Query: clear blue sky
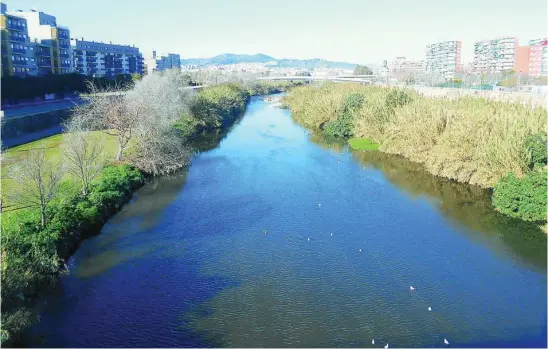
358 31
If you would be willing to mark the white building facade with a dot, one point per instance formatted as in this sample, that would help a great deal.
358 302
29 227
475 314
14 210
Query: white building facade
444 58
495 56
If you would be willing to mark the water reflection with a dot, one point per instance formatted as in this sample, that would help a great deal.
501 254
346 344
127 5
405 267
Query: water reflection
466 205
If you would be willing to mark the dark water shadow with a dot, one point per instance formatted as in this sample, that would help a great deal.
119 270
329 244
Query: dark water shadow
467 205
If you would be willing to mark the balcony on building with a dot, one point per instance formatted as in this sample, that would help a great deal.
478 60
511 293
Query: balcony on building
19 50
17 38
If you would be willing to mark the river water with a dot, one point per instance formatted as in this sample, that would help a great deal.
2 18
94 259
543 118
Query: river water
188 262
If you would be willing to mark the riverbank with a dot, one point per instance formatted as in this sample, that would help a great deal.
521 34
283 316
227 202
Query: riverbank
34 255
193 245
470 140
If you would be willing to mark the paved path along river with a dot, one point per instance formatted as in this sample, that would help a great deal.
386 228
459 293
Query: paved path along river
276 238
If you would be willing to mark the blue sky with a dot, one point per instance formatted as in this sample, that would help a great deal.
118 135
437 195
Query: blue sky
358 31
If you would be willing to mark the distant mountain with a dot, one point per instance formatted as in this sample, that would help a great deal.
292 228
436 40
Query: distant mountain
231 58
228 58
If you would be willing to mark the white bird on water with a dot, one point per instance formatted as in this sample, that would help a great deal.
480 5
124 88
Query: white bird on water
308 239
411 288
319 205
445 341
373 342
386 346
331 234
360 249
429 309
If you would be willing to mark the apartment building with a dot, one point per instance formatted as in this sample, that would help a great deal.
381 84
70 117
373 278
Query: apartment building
538 57
100 59
444 58
495 56
168 62
402 64
17 52
52 41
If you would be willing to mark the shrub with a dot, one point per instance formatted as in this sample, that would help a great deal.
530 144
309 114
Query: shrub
32 255
522 198
342 127
397 98
536 149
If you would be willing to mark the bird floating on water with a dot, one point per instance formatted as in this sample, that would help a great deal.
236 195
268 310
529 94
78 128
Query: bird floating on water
331 234
429 309
373 341
445 341
265 232
386 346
308 239
319 205
360 249
411 288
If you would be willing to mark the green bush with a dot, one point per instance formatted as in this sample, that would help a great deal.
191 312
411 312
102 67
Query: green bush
397 98
32 256
536 149
342 127
522 198
216 106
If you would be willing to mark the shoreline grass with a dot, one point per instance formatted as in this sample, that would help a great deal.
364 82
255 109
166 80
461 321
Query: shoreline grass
363 144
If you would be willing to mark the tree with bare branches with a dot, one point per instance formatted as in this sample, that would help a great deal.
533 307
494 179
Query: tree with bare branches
161 100
105 109
35 181
83 154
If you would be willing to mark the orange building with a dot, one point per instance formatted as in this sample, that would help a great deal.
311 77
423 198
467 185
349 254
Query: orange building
521 63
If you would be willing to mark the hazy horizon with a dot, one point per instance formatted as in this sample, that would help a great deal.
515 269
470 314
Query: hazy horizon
346 30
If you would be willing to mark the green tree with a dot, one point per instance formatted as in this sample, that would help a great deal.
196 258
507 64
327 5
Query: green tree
362 70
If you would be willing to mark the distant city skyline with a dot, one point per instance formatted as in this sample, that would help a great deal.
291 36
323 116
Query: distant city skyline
352 31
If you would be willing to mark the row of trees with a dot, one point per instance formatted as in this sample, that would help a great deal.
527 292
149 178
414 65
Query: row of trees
140 119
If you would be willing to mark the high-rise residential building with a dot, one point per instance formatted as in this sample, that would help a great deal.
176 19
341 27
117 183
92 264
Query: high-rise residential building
52 40
100 59
17 52
444 58
495 56
168 62
538 57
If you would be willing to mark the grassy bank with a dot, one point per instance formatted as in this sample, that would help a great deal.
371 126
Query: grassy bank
33 254
470 140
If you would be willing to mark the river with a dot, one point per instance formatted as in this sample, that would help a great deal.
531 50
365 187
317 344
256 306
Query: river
276 238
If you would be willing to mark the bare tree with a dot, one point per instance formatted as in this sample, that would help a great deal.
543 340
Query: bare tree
84 155
161 100
106 110
35 180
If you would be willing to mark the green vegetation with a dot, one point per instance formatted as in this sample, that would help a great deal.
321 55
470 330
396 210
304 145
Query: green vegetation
268 87
32 255
218 106
342 127
37 238
525 197
471 140
362 70
362 144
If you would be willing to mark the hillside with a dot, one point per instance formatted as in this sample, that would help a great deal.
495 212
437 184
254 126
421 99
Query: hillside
231 58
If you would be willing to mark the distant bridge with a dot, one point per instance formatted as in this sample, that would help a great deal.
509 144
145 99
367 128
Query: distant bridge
364 79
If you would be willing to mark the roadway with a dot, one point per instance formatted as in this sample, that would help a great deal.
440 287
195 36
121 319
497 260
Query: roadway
49 106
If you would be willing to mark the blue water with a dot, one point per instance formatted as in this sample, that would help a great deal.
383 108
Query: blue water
188 263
